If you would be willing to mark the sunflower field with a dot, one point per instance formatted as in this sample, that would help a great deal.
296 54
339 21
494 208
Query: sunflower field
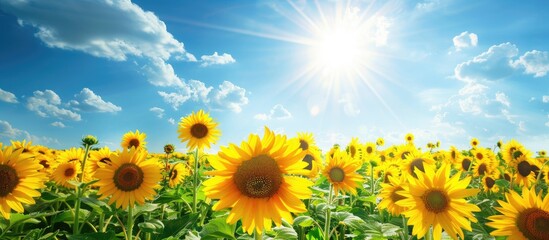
272 186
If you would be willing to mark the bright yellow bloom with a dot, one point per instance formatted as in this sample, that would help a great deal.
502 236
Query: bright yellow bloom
438 200
177 173
523 216
199 130
134 139
354 149
409 138
474 142
257 181
341 172
129 178
65 172
416 160
20 177
389 195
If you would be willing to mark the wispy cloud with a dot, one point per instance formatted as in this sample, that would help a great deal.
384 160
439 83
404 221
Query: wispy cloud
58 124
159 112
490 65
88 101
9 132
278 112
534 62
7 96
48 104
465 40
216 59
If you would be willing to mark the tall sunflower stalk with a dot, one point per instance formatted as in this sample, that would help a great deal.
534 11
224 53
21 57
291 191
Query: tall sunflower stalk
88 142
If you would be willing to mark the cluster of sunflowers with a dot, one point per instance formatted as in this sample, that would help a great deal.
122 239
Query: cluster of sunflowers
272 186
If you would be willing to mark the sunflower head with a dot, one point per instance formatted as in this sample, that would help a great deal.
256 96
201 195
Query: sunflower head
169 148
380 141
199 130
409 138
134 139
258 181
20 177
178 172
306 140
89 140
474 142
129 179
341 172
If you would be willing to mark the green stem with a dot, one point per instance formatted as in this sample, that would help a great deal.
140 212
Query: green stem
195 181
540 172
429 234
258 236
372 185
328 215
101 222
405 226
129 228
79 192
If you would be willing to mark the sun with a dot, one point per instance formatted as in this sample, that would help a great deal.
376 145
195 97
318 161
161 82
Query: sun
337 49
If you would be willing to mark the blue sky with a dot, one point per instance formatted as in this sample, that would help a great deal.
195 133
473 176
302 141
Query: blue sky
442 70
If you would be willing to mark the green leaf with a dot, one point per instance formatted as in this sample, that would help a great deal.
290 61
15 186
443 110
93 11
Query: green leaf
93 236
152 226
502 183
168 198
283 232
218 228
304 221
68 216
177 227
145 208
314 234
34 234
96 205
52 197
390 230
368 199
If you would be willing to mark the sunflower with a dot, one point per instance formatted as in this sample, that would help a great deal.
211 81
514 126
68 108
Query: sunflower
169 148
99 158
474 142
523 216
306 140
255 180
489 184
134 139
435 199
389 168
485 162
369 149
129 179
409 138
26 146
511 150
389 195
178 172
354 149
525 175
542 153
20 177
65 172
199 130
341 172
314 161
403 151
453 155
380 142
416 160
464 163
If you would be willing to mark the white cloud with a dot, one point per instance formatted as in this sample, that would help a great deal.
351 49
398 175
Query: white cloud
88 101
277 112
115 30
534 62
174 99
215 58
465 40
490 65
171 120
521 126
471 104
472 88
58 124
158 111
47 104
229 96
545 99
11 133
427 5
7 96
199 91
503 99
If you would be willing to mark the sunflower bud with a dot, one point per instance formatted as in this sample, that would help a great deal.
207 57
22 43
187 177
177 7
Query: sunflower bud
89 140
169 148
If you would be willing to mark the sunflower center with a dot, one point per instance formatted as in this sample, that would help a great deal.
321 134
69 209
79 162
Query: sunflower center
416 163
133 143
44 163
395 196
453 154
465 164
352 149
482 169
403 155
106 161
303 145
517 154
489 182
259 177
524 168
128 177
480 156
435 200
173 174
507 177
369 149
337 174
386 178
69 172
309 160
534 223
8 180
199 130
